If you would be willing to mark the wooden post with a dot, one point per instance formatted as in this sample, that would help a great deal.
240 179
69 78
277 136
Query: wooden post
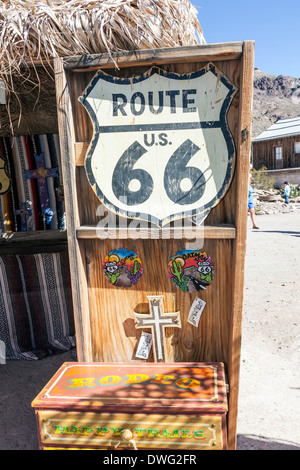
243 168
77 262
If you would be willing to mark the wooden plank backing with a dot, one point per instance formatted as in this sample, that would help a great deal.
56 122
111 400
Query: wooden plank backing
114 335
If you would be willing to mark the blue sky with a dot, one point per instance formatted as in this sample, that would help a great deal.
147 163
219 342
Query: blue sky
274 26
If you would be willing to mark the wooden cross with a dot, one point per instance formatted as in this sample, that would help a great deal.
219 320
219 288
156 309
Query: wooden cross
41 173
157 321
22 212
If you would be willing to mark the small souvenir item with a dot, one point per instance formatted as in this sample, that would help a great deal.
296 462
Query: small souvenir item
40 174
196 311
23 212
157 321
122 268
191 270
144 346
5 181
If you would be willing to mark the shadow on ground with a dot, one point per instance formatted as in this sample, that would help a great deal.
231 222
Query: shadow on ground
284 232
252 442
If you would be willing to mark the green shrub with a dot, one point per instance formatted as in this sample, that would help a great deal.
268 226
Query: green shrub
261 180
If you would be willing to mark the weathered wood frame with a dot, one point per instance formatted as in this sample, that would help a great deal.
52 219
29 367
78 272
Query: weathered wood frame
226 226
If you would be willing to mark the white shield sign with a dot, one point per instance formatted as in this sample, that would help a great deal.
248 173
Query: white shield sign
161 148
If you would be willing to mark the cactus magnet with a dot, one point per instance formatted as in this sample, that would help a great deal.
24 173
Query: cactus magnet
191 270
122 268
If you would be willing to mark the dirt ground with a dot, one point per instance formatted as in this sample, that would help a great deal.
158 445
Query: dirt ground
268 416
270 380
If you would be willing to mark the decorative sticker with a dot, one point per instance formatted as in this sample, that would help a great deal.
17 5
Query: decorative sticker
191 270
122 268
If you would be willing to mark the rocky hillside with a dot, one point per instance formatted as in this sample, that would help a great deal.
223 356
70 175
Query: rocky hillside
274 98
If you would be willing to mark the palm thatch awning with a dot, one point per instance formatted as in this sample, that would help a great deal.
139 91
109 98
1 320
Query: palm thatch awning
33 31
40 30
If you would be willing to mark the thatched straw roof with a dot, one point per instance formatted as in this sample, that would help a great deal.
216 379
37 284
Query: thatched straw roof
34 31
40 30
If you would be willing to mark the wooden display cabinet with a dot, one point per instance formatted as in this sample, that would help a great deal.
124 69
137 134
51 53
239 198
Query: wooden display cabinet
104 314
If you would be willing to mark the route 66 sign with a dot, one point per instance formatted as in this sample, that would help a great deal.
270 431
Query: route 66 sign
161 148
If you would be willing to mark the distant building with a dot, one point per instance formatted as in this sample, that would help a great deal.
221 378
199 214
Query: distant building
278 147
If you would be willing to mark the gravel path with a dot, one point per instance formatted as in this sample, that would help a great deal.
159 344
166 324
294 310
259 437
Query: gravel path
269 378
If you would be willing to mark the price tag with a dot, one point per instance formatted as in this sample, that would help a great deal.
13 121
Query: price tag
196 311
144 346
161 148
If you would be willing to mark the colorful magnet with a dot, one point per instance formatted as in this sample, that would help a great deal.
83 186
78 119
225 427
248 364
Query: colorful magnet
122 268
191 270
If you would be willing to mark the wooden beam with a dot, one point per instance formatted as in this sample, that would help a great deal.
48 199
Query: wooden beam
29 242
89 232
242 177
38 236
222 51
201 53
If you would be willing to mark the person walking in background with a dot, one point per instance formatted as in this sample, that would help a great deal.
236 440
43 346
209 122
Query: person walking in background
251 208
287 192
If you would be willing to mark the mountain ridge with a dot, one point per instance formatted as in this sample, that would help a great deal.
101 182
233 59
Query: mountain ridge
274 97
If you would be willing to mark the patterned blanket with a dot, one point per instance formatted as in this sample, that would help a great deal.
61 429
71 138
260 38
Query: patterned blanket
36 310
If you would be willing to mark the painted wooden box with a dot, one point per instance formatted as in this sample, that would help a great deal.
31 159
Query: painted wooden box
176 406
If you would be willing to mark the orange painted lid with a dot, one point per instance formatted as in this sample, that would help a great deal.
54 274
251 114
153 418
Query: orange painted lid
135 387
